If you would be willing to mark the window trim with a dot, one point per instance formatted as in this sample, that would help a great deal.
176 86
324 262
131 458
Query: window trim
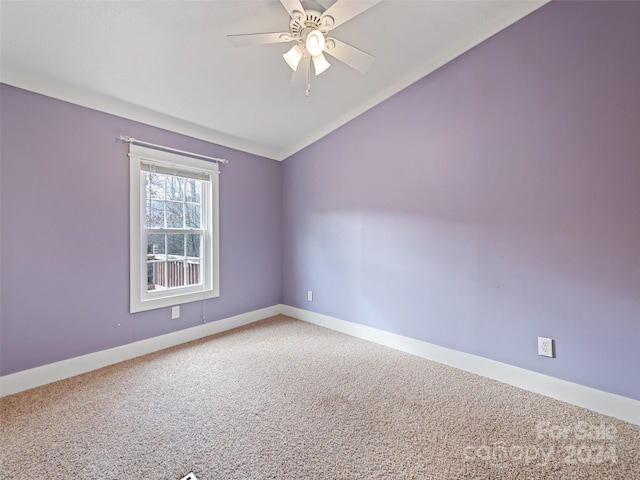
139 299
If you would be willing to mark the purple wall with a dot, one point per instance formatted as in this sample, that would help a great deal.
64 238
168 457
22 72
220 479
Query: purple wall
65 232
494 201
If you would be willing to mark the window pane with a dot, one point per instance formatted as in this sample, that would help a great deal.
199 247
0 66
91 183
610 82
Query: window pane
193 245
155 185
175 217
192 219
156 258
155 244
157 275
193 272
175 245
150 284
155 213
175 260
192 191
175 273
175 188
194 242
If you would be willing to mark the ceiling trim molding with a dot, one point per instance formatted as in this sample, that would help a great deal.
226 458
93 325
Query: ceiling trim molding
120 108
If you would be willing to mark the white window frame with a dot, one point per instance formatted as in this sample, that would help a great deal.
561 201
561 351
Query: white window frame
139 298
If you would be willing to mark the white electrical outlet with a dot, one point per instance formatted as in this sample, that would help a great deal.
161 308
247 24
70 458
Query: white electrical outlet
175 312
545 347
309 296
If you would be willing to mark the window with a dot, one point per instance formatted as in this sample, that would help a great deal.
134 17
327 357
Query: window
173 229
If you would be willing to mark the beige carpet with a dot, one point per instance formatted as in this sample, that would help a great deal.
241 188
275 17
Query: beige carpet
283 399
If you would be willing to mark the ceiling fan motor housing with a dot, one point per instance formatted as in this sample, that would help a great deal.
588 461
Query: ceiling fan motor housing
306 22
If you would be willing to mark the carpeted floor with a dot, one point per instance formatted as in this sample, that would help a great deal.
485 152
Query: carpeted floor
283 399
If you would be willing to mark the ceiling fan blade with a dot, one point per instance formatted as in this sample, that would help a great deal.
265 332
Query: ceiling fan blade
299 77
250 39
352 56
293 6
344 10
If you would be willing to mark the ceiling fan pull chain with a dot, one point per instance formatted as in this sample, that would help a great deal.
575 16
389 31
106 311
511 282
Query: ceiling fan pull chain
308 90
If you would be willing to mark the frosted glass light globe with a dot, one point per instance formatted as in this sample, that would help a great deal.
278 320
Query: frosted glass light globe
315 43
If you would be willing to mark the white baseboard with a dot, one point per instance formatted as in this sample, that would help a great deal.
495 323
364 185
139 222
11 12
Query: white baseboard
616 406
35 377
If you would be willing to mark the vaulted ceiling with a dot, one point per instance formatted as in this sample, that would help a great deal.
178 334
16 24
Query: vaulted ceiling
170 64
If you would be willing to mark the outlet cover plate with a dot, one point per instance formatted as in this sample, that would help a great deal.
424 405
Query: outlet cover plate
545 347
175 312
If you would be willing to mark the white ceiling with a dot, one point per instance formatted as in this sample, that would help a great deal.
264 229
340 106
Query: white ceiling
169 63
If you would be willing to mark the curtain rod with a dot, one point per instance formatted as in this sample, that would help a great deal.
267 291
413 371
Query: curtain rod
127 139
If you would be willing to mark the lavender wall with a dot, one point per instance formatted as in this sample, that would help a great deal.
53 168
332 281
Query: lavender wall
495 200
65 232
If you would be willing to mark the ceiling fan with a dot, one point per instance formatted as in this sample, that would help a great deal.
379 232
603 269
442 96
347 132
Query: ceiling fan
309 28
